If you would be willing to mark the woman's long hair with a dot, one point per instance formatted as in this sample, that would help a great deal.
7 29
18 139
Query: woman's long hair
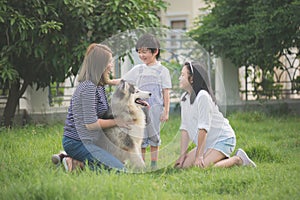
200 80
96 59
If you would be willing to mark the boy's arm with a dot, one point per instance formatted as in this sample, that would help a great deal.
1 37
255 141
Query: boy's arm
114 81
129 76
166 97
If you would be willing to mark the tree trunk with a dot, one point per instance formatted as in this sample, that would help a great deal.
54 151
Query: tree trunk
15 93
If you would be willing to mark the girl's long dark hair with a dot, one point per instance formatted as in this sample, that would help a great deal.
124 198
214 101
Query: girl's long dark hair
200 80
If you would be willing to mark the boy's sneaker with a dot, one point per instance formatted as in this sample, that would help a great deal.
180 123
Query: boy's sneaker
57 158
246 160
153 165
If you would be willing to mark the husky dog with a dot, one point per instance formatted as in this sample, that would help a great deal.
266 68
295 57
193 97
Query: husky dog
125 144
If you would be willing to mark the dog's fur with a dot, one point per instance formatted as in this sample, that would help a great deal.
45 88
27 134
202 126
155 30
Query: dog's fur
125 144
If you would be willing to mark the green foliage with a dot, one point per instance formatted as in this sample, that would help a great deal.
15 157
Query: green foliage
57 93
48 39
252 32
56 90
7 73
273 143
175 69
296 84
45 41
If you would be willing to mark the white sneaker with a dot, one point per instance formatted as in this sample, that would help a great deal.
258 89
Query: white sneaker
246 160
66 162
71 164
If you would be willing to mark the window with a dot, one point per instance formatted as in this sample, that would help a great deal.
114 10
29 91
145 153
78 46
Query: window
178 24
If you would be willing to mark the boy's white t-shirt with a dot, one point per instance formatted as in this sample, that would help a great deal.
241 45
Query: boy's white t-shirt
132 75
204 114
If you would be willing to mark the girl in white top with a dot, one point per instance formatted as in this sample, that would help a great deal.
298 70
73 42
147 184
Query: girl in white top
205 125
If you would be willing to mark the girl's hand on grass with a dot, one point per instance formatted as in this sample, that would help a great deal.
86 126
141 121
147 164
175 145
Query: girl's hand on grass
199 162
179 162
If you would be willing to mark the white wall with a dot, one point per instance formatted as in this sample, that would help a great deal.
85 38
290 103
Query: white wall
227 82
35 101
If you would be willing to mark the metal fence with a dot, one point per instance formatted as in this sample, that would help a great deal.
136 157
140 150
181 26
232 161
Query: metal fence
282 82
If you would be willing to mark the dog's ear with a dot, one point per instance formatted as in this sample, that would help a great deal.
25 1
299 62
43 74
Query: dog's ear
122 81
131 89
120 92
122 84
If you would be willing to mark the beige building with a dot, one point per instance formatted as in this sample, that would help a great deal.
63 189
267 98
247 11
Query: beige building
181 14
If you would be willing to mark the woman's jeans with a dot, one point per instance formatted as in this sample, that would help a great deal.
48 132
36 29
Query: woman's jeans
92 153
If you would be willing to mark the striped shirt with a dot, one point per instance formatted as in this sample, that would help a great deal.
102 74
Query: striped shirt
88 103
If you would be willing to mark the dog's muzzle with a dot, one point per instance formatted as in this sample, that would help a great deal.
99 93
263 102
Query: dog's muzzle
141 102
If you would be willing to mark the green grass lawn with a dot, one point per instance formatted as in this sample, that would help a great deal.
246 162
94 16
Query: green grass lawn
26 171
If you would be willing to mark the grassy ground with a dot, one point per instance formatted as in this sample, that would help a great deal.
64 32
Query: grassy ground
26 171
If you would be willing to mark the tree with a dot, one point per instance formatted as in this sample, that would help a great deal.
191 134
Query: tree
250 32
44 41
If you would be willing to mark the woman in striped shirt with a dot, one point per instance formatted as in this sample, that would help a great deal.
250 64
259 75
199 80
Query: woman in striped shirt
84 120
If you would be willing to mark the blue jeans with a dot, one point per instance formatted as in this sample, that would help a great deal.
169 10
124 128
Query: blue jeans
93 154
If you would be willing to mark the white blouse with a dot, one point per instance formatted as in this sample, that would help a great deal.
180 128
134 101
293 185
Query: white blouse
204 114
